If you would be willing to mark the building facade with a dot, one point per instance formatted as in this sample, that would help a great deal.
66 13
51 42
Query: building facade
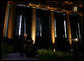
47 28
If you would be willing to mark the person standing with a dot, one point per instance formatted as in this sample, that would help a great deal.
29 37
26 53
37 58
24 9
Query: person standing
22 43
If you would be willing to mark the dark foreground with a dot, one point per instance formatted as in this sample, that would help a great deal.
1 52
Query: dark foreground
16 56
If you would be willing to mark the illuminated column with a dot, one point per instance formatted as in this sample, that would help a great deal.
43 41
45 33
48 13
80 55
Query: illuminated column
69 30
20 24
6 20
33 30
52 27
10 22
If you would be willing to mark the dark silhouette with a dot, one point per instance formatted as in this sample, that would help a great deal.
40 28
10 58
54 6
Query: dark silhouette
22 43
75 48
29 48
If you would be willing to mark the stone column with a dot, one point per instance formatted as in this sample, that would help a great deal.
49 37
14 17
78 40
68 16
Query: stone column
52 27
11 22
33 29
69 29
6 20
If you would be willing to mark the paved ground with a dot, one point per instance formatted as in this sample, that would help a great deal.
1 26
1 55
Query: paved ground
16 56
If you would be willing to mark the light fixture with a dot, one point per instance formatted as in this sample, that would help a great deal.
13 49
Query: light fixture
30 4
76 39
75 9
37 5
71 50
54 50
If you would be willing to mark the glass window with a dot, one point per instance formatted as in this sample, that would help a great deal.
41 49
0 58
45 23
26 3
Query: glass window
38 24
75 26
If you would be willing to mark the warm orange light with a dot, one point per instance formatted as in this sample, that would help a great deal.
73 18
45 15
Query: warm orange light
52 27
69 29
51 8
10 22
30 4
37 5
5 21
33 25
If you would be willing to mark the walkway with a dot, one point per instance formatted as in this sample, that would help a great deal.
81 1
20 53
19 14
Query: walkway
16 56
